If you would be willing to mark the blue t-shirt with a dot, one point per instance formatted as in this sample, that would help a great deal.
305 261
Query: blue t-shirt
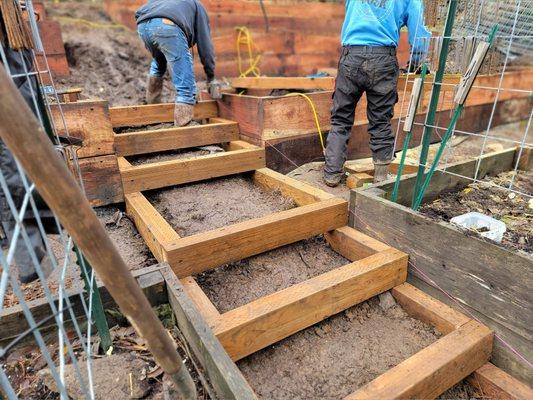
378 23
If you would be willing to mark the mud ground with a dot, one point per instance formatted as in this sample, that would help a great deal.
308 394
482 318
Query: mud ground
268 272
216 203
462 148
515 210
339 355
106 60
123 234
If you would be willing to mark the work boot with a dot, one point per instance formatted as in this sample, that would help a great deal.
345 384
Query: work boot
154 88
183 114
381 171
332 181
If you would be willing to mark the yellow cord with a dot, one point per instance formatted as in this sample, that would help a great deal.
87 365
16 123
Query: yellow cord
244 38
315 114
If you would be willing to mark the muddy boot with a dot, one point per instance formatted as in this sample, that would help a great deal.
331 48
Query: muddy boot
381 171
183 114
154 88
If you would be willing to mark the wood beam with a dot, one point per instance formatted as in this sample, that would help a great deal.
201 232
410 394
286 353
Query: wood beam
353 244
156 113
301 192
154 229
186 170
153 141
200 299
435 369
223 374
428 309
269 319
197 253
496 384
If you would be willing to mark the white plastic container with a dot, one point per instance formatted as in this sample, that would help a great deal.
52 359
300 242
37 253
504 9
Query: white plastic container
477 221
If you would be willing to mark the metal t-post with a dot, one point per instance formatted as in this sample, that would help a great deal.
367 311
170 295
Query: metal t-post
435 94
28 142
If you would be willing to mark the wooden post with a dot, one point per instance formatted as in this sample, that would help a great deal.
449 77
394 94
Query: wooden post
28 142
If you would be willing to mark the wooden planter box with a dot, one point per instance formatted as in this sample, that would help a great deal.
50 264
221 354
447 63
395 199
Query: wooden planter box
285 126
490 282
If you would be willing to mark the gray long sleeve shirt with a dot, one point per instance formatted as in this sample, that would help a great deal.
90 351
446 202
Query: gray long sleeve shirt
192 18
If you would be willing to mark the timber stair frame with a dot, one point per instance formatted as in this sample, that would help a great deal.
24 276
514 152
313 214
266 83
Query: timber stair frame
238 157
374 269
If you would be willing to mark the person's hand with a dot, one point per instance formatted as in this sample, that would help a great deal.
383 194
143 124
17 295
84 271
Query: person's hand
214 87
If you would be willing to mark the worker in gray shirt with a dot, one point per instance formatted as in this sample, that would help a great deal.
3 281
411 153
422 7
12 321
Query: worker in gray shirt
169 29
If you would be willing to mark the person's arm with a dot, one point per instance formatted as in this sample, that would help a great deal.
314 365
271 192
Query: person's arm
204 43
419 36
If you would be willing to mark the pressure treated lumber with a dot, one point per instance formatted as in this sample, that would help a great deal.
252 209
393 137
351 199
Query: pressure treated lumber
156 113
272 83
301 192
353 244
425 308
200 300
223 374
197 253
154 229
269 319
186 170
496 384
153 141
435 369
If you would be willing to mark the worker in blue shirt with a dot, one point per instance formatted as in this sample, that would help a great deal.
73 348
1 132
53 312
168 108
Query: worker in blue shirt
368 64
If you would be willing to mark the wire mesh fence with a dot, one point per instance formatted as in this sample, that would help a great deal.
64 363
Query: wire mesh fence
509 54
38 259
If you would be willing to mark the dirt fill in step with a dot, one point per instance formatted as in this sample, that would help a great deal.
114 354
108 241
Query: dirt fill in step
268 272
336 357
200 207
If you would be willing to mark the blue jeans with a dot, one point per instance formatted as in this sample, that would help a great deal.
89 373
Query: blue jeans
168 45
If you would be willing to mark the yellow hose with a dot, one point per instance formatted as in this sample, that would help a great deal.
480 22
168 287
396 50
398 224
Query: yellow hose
315 114
244 38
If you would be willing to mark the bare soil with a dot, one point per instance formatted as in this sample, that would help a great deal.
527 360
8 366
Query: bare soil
166 156
268 272
106 60
339 355
515 210
216 203
123 234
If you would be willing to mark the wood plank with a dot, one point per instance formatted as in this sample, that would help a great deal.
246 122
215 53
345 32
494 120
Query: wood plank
185 170
353 244
496 384
358 179
153 141
200 299
87 120
301 192
222 373
272 83
194 254
269 319
427 309
154 229
156 113
435 369
101 180
484 275
14 323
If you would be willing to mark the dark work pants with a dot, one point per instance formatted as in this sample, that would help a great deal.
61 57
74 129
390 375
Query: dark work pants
370 70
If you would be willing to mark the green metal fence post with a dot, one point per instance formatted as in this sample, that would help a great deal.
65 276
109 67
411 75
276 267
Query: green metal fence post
435 94
98 312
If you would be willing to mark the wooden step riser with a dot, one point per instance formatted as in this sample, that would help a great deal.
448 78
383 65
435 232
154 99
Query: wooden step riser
154 141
